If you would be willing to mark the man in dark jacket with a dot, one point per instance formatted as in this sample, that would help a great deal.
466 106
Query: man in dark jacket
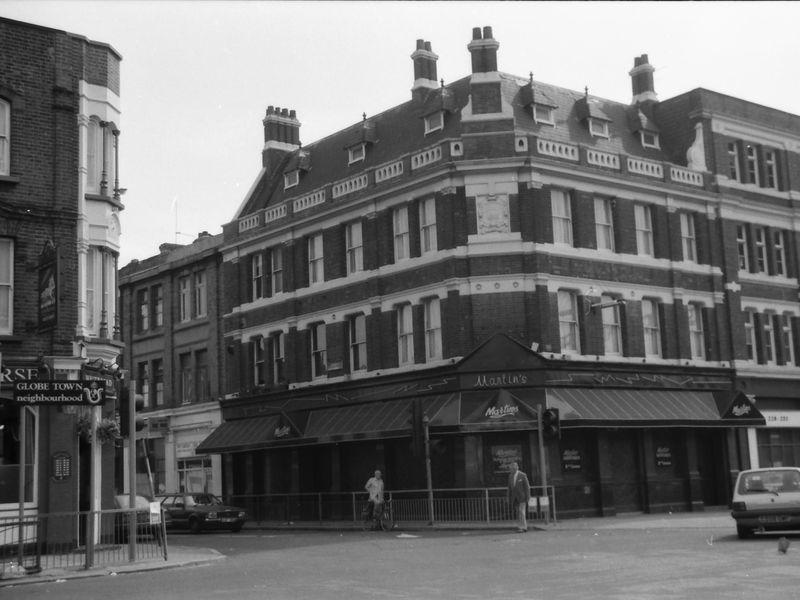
519 492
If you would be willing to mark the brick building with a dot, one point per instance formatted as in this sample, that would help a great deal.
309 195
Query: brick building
59 238
497 246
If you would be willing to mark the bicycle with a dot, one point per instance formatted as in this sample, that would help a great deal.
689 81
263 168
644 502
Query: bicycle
383 521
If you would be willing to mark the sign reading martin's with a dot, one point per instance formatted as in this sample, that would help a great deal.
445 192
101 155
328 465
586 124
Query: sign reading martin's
87 393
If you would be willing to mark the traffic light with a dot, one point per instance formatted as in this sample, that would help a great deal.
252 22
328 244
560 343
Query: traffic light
125 415
551 423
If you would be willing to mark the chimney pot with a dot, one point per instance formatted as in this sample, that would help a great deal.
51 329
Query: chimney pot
428 47
420 44
293 114
476 33
487 33
270 109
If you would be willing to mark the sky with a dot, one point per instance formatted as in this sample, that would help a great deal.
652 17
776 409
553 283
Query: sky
198 76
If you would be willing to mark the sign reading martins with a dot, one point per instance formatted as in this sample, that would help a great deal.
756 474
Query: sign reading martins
88 393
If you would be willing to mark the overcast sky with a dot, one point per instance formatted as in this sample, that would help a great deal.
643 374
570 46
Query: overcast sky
198 76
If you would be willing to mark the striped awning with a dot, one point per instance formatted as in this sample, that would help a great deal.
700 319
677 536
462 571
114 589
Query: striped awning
241 435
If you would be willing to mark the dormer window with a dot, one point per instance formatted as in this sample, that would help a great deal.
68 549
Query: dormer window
543 114
598 127
649 139
434 122
291 179
356 153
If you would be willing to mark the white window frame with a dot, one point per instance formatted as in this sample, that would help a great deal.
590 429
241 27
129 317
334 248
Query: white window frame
751 164
768 329
278 356
356 153
734 172
405 335
568 324
157 297
604 224
544 115
770 168
643 216
651 326
688 237
612 327
434 122
6 286
401 233
257 276
319 348
316 265
427 226
787 339
697 337
357 327
742 248
779 249
259 361
99 156
158 381
143 310
184 298
355 247
5 137
598 127
200 294
291 179
652 142
433 328
750 335
761 249
276 270
561 208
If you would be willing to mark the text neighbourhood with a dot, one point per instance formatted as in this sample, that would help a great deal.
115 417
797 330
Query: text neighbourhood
88 393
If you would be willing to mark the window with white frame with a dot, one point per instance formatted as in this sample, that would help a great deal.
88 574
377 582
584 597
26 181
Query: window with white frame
761 249
319 360
652 328
405 335
750 334
142 310
257 275
358 343
561 208
612 326
568 321
644 229
158 306
427 225
770 169
433 329
158 381
768 330
356 153
5 137
258 353
276 268
184 298
278 356
200 294
741 248
543 114
291 179
101 290
598 127
315 259
733 162
787 339
355 248
143 382
779 251
751 163
650 139
697 337
186 378
604 224
401 236
688 240
100 161
434 122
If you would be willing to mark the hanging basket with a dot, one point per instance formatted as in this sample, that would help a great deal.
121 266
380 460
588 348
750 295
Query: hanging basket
107 430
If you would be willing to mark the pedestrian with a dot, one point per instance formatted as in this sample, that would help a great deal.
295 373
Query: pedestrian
519 492
374 487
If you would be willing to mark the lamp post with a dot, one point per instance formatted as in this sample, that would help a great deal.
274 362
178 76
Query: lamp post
426 427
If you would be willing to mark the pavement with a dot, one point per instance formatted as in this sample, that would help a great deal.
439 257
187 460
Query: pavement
185 556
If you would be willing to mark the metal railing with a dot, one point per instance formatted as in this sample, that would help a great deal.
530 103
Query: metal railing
461 505
58 541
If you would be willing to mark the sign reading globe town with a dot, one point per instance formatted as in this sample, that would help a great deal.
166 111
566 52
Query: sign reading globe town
86 393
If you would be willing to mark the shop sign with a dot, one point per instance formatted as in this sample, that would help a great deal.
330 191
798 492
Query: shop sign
571 460
503 456
11 372
87 393
776 418
663 456
498 380
92 374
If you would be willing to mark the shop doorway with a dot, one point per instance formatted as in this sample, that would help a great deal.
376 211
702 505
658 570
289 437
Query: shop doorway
626 481
712 467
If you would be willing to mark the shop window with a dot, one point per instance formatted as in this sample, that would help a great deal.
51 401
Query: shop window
644 229
778 447
6 286
10 454
401 235
568 321
195 475
562 217
433 329
358 342
5 137
355 248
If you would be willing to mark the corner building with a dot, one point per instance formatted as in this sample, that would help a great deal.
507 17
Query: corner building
496 246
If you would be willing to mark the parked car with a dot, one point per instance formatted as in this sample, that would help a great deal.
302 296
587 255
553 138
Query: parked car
143 524
199 510
766 500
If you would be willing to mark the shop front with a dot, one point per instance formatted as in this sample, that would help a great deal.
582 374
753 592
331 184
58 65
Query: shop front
627 440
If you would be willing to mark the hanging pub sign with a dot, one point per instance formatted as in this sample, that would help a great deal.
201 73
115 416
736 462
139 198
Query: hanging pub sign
663 456
571 460
86 393
48 287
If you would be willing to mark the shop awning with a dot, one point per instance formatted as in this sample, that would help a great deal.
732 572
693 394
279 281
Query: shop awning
587 407
237 436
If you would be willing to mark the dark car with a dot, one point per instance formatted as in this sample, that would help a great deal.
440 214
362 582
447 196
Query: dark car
198 511
144 526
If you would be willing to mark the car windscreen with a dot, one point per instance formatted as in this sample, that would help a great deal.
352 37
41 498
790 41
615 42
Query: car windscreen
773 482
203 499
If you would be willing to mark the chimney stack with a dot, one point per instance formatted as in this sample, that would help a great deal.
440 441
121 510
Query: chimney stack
424 69
484 50
281 135
642 81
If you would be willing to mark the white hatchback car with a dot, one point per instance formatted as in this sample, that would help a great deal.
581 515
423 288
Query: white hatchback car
766 500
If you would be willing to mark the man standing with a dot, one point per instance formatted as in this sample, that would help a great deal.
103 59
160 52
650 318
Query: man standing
519 492
374 486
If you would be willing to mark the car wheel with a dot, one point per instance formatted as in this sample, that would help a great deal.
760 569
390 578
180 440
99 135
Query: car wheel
236 528
194 525
744 532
